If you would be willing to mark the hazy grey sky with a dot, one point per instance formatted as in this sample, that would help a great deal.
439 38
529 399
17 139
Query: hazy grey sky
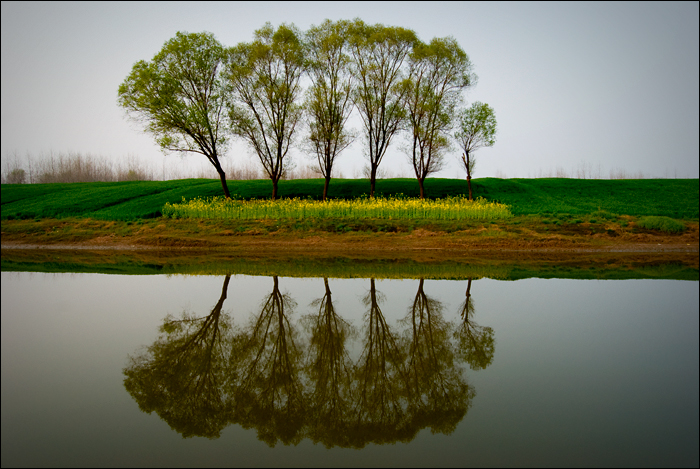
609 85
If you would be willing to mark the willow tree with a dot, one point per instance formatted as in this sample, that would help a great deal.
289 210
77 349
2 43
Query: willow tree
264 79
477 129
437 74
328 101
379 53
179 96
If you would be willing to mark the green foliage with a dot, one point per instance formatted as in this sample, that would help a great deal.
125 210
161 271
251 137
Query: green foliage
669 225
438 72
604 215
476 129
264 77
178 94
378 54
328 101
180 97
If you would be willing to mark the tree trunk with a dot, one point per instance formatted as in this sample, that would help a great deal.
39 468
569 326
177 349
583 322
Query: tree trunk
372 181
465 158
222 177
274 189
422 189
325 188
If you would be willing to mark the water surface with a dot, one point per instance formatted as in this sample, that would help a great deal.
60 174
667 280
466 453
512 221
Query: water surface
253 370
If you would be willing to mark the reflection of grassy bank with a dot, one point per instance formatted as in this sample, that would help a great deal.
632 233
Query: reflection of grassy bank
677 266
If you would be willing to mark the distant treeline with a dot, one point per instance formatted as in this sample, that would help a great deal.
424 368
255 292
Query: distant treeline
77 167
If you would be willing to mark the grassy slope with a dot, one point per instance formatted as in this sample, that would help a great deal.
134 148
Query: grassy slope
675 198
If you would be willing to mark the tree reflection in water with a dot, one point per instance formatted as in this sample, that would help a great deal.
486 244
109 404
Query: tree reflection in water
330 372
266 357
379 412
440 397
202 374
475 342
182 376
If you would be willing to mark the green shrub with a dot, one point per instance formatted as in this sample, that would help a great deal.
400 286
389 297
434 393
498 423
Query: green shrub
605 215
669 225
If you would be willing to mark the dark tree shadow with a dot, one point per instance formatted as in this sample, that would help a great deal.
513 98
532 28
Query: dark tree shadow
182 375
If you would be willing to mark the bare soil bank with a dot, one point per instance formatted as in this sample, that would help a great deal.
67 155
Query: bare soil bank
491 239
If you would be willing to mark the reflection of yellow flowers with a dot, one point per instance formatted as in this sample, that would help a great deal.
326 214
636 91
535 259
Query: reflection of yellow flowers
450 208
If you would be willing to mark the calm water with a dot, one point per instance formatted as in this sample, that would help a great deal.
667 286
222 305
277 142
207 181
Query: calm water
238 371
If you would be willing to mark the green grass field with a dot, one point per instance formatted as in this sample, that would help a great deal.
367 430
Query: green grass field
126 201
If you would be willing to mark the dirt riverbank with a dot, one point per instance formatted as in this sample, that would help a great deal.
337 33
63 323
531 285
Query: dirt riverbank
497 251
185 235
